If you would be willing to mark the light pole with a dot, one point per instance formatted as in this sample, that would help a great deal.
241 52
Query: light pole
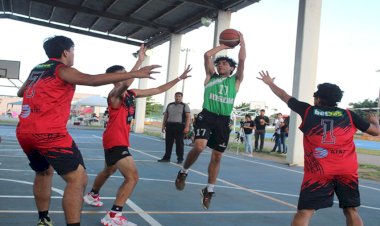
378 100
186 50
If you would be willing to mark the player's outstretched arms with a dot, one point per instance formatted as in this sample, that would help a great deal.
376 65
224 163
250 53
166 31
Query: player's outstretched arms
73 76
164 87
265 77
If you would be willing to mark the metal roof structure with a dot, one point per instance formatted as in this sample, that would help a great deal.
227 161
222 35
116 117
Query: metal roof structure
127 21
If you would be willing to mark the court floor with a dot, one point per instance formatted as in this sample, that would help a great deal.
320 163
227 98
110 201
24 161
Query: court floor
249 191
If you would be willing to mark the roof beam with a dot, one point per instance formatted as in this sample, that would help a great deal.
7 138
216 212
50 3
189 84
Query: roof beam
70 29
89 11
205 4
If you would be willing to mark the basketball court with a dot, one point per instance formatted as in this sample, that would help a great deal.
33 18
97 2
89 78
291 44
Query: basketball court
249 191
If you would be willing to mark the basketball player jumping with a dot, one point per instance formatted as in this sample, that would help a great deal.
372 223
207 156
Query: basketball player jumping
212 124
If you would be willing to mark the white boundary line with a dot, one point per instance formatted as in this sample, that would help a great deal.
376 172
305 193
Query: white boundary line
131 204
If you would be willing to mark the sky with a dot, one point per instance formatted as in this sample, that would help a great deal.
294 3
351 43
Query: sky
349 51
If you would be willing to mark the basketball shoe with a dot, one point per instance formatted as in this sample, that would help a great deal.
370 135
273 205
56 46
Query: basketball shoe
45 222
93 200
180 181
116 219
206 198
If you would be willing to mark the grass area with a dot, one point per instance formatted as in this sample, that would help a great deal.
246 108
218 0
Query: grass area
370 172
367 152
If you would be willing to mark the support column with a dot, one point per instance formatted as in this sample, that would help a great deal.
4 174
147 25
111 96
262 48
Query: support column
141 102
305 70
223 22
173 66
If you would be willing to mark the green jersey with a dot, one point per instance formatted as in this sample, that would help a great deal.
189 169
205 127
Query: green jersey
219 95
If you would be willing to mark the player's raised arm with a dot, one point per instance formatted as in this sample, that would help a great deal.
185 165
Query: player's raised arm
374 128
140 60
208 62
73 76
240 66
162 88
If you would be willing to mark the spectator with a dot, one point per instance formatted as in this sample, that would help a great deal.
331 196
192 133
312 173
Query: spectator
278 124
261 121
248 126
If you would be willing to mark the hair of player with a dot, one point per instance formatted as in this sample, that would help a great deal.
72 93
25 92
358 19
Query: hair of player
178 93
115 68
329 94
229 60
56 45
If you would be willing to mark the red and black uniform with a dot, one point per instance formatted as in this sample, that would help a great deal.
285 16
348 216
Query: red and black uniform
42 131
116 135
329 154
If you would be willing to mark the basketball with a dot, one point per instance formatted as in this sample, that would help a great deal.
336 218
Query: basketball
229 37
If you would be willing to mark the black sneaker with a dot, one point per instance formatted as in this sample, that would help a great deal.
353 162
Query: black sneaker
45 222
206 198
180 181
163 160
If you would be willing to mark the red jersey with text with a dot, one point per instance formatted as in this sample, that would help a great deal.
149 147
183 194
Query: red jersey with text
46 100
329 147
119 123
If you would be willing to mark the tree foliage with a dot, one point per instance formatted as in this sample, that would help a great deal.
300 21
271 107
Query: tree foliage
362 107
152 107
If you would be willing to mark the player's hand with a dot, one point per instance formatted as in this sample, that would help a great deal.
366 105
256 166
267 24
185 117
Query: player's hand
373 118
185 73
163 130
265 77
147 71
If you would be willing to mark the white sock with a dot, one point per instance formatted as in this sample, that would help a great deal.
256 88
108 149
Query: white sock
183 170
210 187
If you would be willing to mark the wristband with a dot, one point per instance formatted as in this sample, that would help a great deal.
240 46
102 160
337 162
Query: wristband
179 79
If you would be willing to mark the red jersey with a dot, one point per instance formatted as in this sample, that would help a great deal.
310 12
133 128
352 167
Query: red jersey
329 141
119 123
46 100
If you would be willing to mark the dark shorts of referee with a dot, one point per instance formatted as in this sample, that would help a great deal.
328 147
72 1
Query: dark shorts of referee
214 128
56 149
317 191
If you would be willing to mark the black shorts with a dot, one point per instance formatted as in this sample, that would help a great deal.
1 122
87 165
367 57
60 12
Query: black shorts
56 149
114 154
317 191
214 128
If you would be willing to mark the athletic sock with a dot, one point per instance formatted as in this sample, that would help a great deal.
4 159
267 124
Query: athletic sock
74 224
116 208
183 170
44 214
94 193
210 187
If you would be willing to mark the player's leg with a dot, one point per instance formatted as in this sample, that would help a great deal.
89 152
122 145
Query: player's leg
347 191
128 169
123 161
93 197
302 217
43 176
352 216
67 160
76 182
218 141
317 192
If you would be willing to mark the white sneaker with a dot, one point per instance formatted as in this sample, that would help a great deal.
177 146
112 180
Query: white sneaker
93 201
117 220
